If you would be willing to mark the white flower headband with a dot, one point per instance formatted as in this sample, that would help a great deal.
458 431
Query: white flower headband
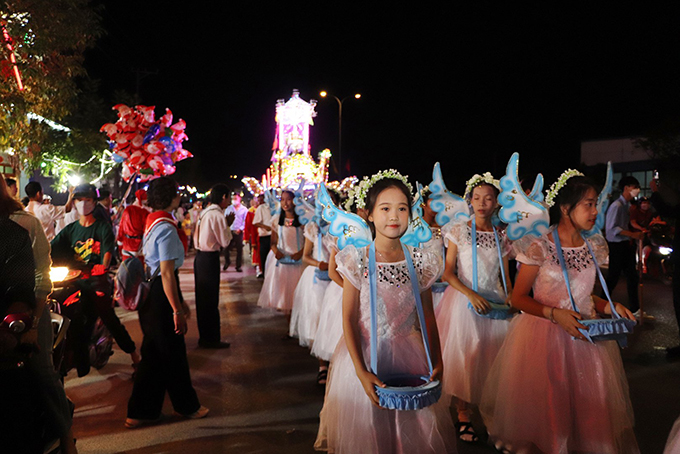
479 179
358 195
559 184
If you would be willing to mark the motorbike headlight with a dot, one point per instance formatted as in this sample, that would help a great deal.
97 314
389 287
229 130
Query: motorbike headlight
58 273
663 250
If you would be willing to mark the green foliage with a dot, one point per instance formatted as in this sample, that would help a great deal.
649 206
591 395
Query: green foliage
50 37
663 142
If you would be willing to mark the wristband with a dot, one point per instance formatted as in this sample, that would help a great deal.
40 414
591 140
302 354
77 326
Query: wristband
552 313
178 313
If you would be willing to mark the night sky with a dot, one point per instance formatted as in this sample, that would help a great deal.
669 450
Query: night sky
466 86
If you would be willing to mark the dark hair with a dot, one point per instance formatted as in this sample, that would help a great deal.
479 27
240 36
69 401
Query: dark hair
10 182
33 188
218 192
378 187
425 194
104 194
8 205
570 195
628 180
162 191
481 183
25 201
282 216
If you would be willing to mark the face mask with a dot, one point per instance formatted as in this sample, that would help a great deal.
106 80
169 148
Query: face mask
635 192
84 207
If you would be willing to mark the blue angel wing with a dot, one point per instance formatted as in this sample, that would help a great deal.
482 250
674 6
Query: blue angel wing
348 228
418 231
523 215
304 210
272 202
537 191
602 203
448 206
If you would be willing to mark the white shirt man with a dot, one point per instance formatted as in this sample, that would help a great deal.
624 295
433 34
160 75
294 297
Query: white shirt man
238 212
212 232
48 214
263 221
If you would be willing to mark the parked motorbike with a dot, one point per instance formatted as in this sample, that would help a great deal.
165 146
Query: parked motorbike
83 324
659 263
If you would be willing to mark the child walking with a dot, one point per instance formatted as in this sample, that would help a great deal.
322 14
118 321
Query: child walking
284 264
471 342
550 390
351 420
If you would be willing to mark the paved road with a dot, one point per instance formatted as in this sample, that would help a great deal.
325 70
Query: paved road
262 392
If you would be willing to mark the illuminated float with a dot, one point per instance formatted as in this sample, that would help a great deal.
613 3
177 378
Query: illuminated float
291 159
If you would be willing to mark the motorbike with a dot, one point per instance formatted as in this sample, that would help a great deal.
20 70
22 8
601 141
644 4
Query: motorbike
83 324
658 258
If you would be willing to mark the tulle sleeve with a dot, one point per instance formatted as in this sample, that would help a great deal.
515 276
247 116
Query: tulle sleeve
506 245
429 264
531 250
312 232
350 264
455 232
330 243
600 248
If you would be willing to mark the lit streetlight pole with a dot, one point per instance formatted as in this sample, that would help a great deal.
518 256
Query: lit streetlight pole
324 94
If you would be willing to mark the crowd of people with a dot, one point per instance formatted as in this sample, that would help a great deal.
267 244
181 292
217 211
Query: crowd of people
528 369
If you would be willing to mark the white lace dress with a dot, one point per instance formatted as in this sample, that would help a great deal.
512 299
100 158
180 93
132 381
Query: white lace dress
329 331
308 296
470 342
437 243
350 423
547 392
280 280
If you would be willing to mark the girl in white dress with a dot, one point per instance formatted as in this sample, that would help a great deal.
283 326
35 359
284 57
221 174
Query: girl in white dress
471 342
550 390
351 420
284 262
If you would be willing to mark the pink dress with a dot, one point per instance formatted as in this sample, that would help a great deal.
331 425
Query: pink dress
280 280
470 342
547 392
329 331
350 423
308 296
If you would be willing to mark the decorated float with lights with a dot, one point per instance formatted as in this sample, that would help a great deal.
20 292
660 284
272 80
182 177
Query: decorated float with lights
291 160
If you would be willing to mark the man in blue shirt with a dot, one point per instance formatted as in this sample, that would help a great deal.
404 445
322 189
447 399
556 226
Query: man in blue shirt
238 211
621 248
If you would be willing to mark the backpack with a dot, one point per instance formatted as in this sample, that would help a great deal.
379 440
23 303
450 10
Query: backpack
131 282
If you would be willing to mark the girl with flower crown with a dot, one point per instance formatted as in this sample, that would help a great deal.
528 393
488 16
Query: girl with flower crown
310 290
284 262
471 342
329 331
550 390
351 420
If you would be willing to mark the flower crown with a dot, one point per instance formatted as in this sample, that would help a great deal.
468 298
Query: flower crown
358 194
479 179
559 184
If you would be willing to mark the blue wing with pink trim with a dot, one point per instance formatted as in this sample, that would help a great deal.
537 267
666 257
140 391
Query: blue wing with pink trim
522 214
348 228
448 206
418 231
602 203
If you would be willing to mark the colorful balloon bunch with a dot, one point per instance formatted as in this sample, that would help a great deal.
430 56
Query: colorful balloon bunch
146 146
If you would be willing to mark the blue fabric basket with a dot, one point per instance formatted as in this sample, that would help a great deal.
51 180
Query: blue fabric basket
616 328
322 275
439 287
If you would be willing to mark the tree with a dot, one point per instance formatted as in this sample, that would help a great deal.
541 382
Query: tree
49 38
663 143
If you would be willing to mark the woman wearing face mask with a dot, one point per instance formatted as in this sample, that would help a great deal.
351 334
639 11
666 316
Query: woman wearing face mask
88 245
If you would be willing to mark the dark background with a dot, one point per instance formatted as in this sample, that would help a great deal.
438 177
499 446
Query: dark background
466 86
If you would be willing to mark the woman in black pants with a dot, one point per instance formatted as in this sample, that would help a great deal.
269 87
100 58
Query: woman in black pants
163 317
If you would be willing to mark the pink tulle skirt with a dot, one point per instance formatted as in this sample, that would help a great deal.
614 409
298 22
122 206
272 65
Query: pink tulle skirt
470 344
351 424
547 392
279 285
329 331
307 303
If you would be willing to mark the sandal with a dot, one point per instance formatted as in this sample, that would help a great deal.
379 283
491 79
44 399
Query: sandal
322 377
466 429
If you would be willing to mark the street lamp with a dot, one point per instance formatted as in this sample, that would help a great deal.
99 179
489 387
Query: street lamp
323 94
